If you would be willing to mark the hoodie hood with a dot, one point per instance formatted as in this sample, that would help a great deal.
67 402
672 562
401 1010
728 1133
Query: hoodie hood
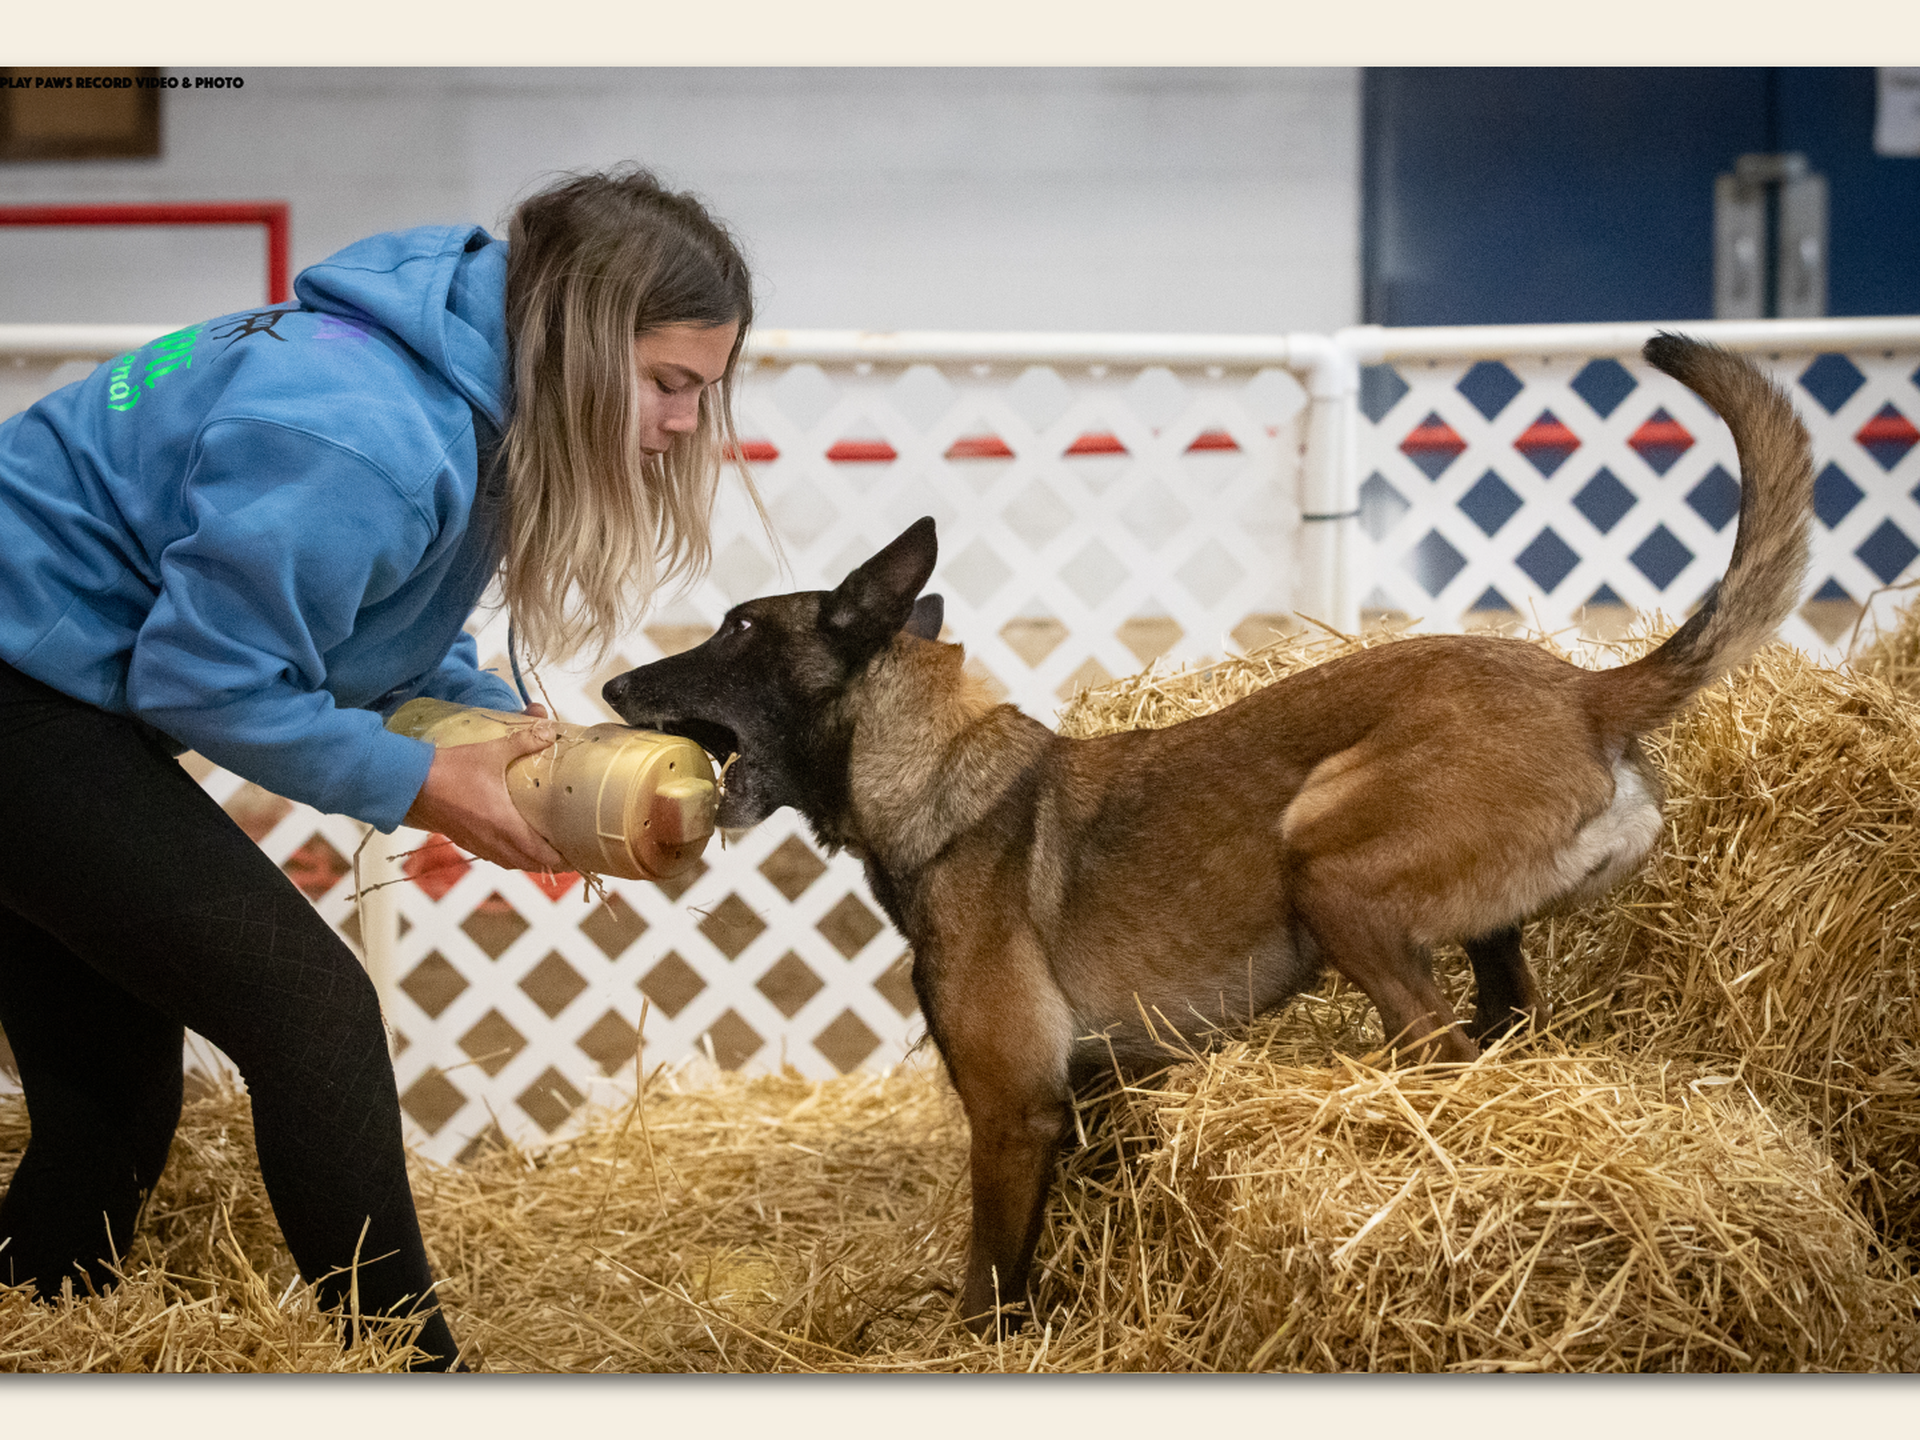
248 532
438 290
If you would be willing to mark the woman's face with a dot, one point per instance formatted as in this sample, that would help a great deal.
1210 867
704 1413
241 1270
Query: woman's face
675 364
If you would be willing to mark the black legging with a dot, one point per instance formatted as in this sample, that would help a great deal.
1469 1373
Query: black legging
131 906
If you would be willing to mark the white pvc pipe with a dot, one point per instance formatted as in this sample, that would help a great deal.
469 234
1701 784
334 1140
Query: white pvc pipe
1292 352
1364 344
1373 344
77 342
936 347
1329 484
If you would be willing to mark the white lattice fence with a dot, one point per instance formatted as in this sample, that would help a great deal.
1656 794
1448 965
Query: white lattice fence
1091 519
1550 484
1094 515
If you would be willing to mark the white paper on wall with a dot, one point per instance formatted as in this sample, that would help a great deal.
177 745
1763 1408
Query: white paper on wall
1896 128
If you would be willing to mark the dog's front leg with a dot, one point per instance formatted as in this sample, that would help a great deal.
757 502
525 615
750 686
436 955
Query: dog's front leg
1006 1033
1015 1139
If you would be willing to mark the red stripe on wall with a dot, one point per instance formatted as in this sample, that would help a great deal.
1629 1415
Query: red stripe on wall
861 450
979 447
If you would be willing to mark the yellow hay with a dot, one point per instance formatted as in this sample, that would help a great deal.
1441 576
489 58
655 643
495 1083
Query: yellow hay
1890 655
1266 1206
1539 1212
1709 1165
1776 929
209 1287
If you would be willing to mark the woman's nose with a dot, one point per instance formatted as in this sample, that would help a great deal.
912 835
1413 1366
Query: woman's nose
683 414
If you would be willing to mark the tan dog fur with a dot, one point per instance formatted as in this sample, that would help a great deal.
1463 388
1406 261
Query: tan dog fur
1067 900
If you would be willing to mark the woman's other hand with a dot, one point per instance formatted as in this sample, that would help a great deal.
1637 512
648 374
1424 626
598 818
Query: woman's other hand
465 799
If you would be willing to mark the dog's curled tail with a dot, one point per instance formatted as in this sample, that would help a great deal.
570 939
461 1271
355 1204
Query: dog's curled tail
1762 583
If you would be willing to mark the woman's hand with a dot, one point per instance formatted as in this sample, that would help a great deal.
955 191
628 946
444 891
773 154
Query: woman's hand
465 799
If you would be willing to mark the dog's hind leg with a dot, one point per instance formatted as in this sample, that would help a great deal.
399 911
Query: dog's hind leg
1350 934
1508 996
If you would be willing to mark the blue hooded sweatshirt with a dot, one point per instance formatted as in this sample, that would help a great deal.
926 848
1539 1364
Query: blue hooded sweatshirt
255 533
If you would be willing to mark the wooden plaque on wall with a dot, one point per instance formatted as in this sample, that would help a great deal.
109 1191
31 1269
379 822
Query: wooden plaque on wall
79 114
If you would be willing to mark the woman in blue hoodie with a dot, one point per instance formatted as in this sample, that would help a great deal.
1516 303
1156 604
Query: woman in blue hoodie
253 538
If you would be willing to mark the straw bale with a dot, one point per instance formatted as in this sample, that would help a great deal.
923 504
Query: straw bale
1777 927
723 1223
1889 653
1534 1212
1678 1178
1775 931
208 1283
1257 1207
1158 697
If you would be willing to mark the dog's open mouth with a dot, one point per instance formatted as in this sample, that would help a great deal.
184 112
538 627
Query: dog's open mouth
717 740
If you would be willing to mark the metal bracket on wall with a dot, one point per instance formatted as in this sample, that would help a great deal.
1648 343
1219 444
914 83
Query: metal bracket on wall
1769 239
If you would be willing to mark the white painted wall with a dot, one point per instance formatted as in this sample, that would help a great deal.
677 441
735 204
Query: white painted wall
977 199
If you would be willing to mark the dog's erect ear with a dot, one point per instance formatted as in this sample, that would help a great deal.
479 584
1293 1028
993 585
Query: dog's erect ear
874 603
929 613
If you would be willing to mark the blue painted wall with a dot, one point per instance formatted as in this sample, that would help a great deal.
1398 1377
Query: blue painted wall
1537 195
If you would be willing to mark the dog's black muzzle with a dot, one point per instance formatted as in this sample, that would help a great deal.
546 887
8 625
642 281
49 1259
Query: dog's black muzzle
639 705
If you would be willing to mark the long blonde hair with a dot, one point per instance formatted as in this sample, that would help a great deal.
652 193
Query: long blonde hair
593 525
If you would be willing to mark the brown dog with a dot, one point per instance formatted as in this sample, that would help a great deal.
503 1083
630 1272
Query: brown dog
1056 892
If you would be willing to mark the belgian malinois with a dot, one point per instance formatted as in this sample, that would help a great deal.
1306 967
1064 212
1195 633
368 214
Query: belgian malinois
1058 892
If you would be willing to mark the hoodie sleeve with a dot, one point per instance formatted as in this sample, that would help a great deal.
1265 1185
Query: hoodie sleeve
290 535
460 679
